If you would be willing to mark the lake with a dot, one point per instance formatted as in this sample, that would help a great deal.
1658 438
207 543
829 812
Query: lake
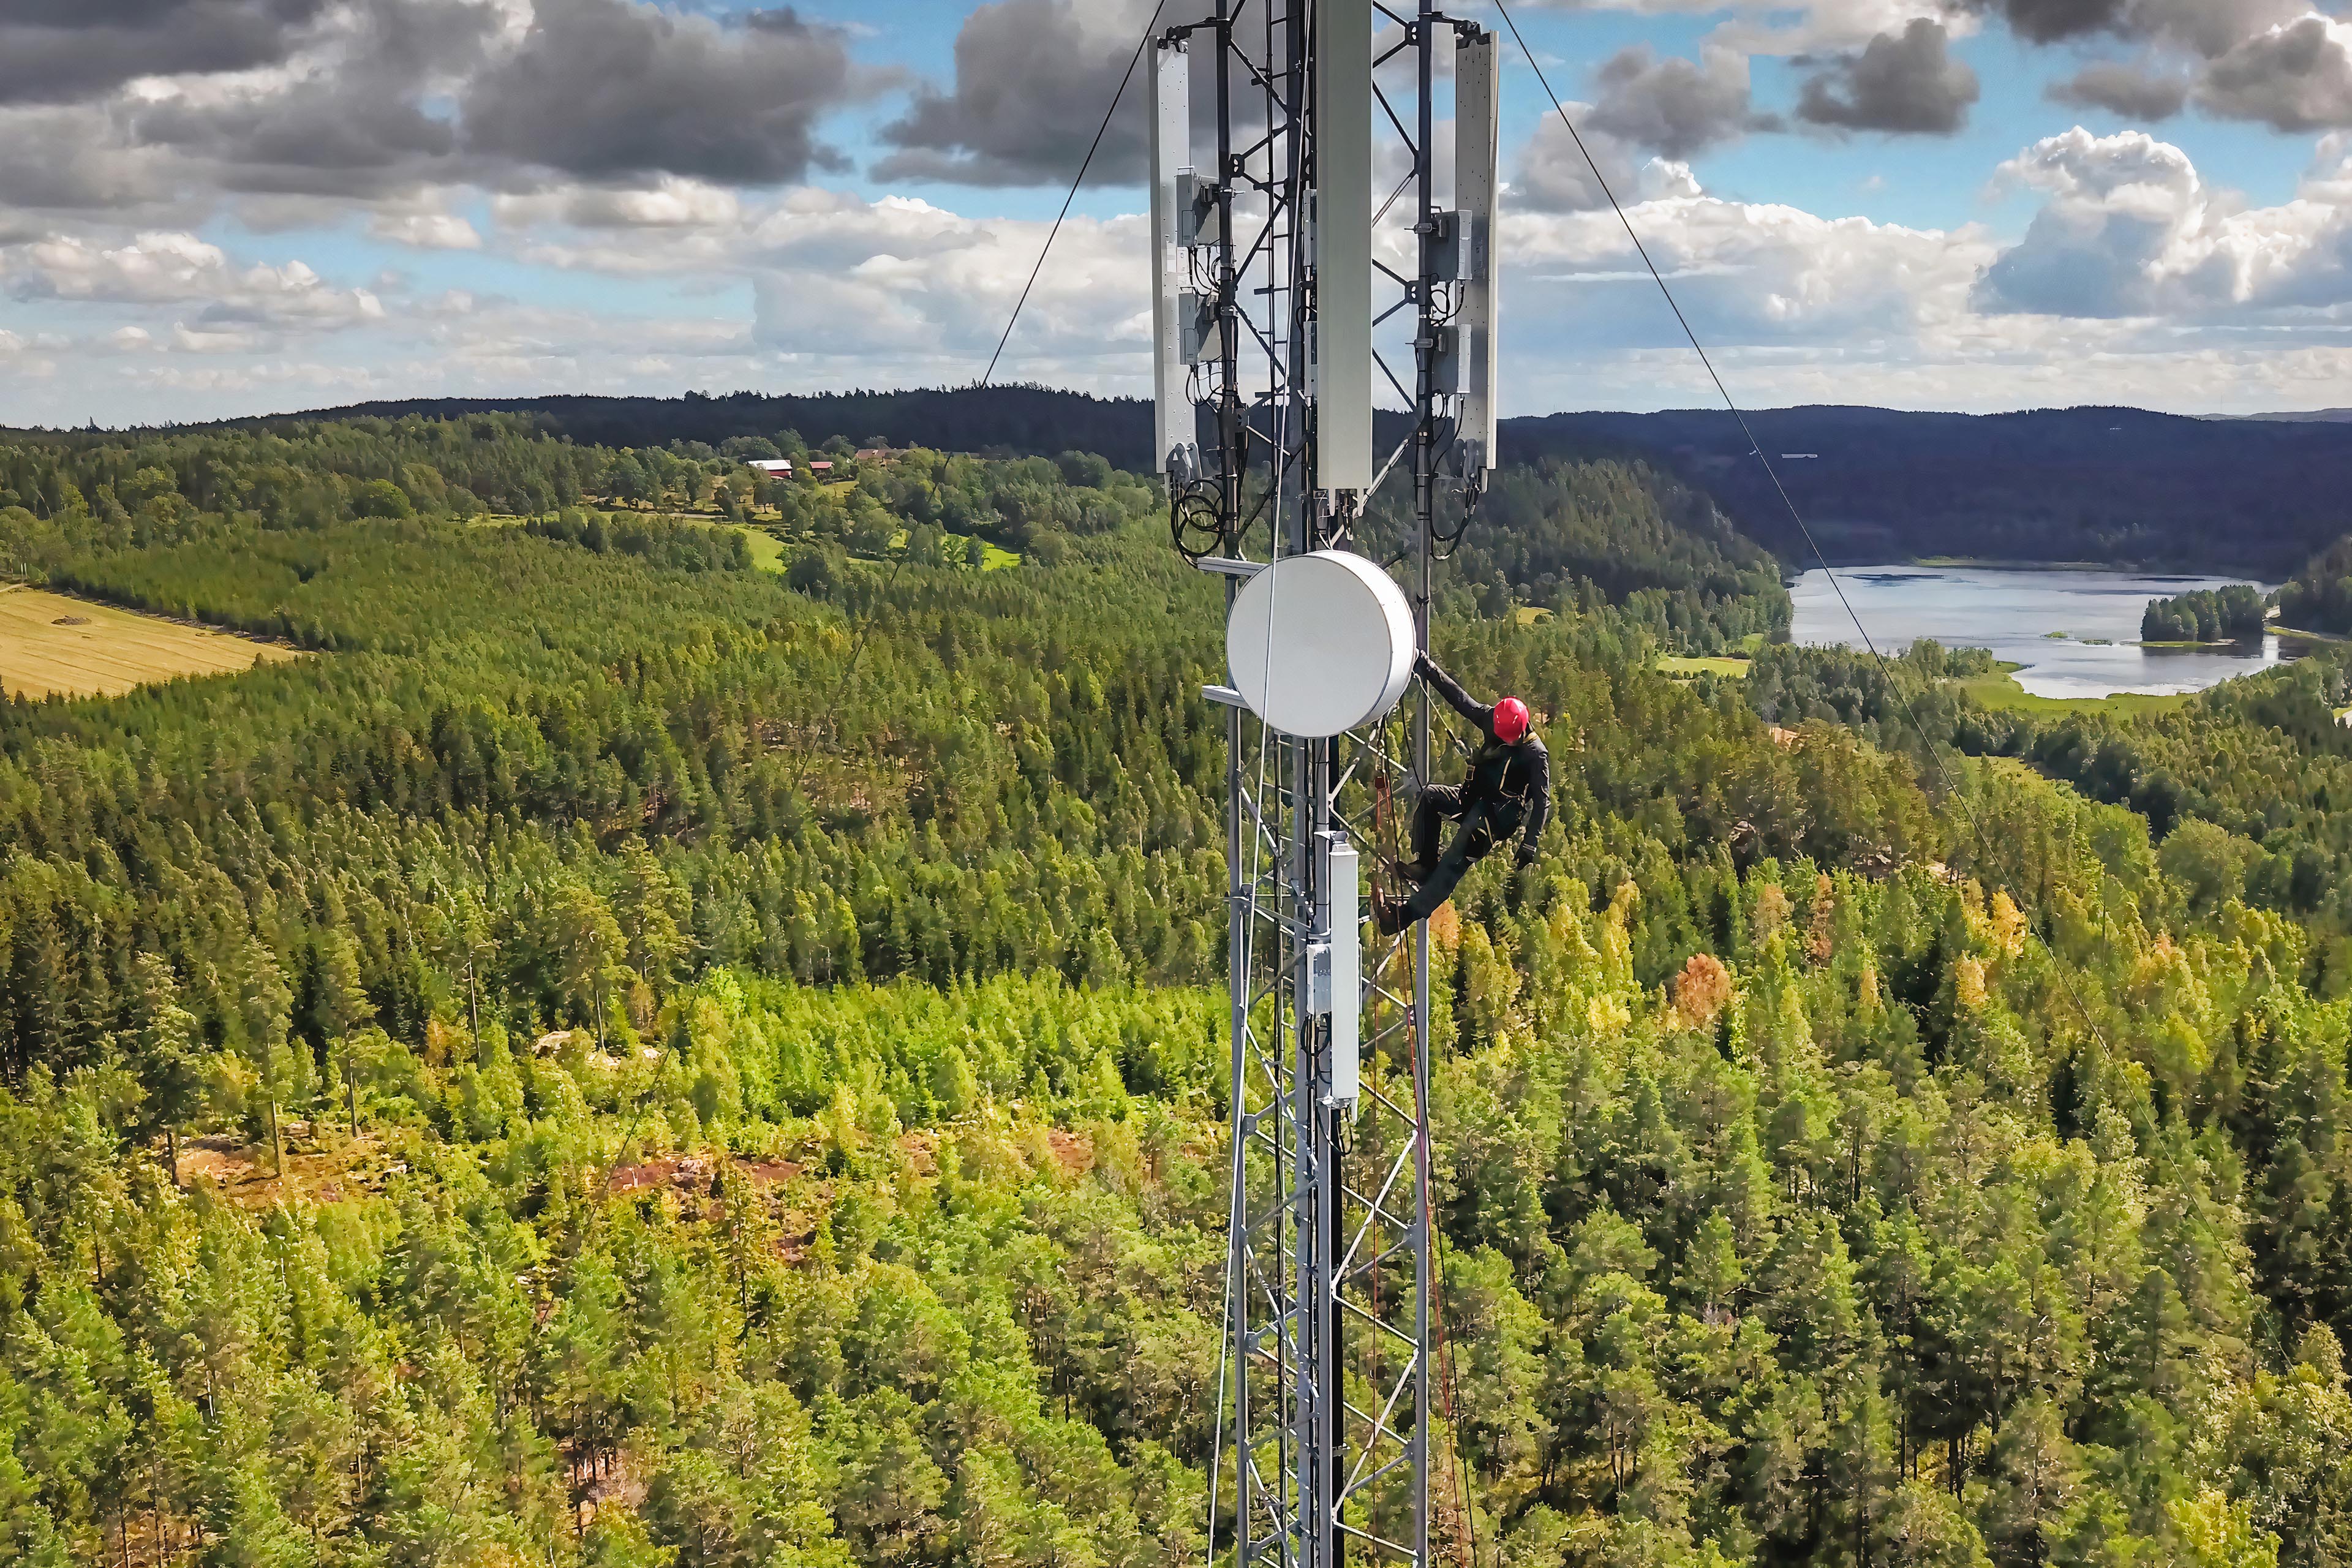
2012 612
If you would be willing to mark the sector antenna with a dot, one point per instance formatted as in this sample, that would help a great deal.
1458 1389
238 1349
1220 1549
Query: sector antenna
1315 250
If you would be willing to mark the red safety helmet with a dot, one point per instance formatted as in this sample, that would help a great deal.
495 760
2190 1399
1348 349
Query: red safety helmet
1510 720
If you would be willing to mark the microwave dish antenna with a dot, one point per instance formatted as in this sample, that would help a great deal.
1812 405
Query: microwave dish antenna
1335 630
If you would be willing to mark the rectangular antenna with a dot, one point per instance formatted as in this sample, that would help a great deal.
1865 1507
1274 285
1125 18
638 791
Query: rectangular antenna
1477 98
1340 917
1343 245
1171 155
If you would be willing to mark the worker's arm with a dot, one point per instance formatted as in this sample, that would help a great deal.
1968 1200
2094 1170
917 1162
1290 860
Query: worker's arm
1539 802
1446 686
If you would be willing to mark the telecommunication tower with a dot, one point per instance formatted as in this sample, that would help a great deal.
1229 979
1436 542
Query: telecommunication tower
1308 256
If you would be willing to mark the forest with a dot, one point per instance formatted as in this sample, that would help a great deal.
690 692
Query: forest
2234 613
689 1033
2114 485
2319 597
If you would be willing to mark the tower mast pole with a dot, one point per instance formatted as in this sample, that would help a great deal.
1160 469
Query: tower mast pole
1424 502
1269 326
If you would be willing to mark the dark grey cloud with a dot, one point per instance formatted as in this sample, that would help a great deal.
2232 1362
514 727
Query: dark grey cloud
1906 84
2272 61
2130 90
2207 29
2204 27
607 90
1674 106
2295 77
71 159
1031 82
68 51
1552 175
359 128
2047 21
379 99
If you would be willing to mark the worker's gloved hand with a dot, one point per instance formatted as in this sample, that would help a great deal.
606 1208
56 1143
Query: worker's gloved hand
1526 857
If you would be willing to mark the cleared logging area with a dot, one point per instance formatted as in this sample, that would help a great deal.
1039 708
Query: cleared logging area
51 643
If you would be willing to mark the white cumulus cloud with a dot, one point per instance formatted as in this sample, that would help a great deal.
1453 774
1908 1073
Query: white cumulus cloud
2130 230
175 268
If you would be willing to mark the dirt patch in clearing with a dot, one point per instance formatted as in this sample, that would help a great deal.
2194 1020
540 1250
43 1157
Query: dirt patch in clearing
222 1161
244 1176
692 1173
641 1177
619 1487
1074 1151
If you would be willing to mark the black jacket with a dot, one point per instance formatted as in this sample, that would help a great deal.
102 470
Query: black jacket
1518 774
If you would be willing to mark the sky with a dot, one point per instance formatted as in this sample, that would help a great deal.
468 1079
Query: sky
220 207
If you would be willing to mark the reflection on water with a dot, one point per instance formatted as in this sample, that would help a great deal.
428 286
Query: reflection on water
2013 612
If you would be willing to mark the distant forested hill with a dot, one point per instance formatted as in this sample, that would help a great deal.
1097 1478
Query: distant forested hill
2077 484
1031 421
2109 484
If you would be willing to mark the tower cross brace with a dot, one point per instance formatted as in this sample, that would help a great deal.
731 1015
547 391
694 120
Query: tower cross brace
1303 267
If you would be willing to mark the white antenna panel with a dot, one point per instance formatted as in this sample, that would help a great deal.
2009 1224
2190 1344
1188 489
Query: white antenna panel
1343 245
1477 95
1171 155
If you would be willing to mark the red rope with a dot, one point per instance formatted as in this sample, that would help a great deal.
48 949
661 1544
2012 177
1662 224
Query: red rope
1384 830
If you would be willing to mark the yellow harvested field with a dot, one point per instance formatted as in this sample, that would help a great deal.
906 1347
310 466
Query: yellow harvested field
51 643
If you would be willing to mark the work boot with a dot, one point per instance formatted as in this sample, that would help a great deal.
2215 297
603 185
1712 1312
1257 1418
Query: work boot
1389 915
1413 871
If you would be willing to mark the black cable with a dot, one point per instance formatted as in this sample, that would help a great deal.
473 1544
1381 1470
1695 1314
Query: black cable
1885 671
1141 45
858 649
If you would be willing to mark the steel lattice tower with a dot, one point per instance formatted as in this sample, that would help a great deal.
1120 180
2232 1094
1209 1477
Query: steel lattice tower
1301 267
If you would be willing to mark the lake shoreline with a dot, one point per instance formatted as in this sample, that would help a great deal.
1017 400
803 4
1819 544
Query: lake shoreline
1789 576
2071 631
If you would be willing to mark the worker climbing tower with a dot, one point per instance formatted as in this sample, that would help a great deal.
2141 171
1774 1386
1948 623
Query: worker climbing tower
1310 257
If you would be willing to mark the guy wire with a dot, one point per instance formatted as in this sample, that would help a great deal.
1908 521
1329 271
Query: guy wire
874 611
1885 671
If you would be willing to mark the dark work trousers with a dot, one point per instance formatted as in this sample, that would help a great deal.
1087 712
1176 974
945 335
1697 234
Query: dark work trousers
1484 824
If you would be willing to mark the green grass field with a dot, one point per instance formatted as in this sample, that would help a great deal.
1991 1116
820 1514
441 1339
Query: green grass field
767 549
768 552
995 557
1679 664
2002 692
